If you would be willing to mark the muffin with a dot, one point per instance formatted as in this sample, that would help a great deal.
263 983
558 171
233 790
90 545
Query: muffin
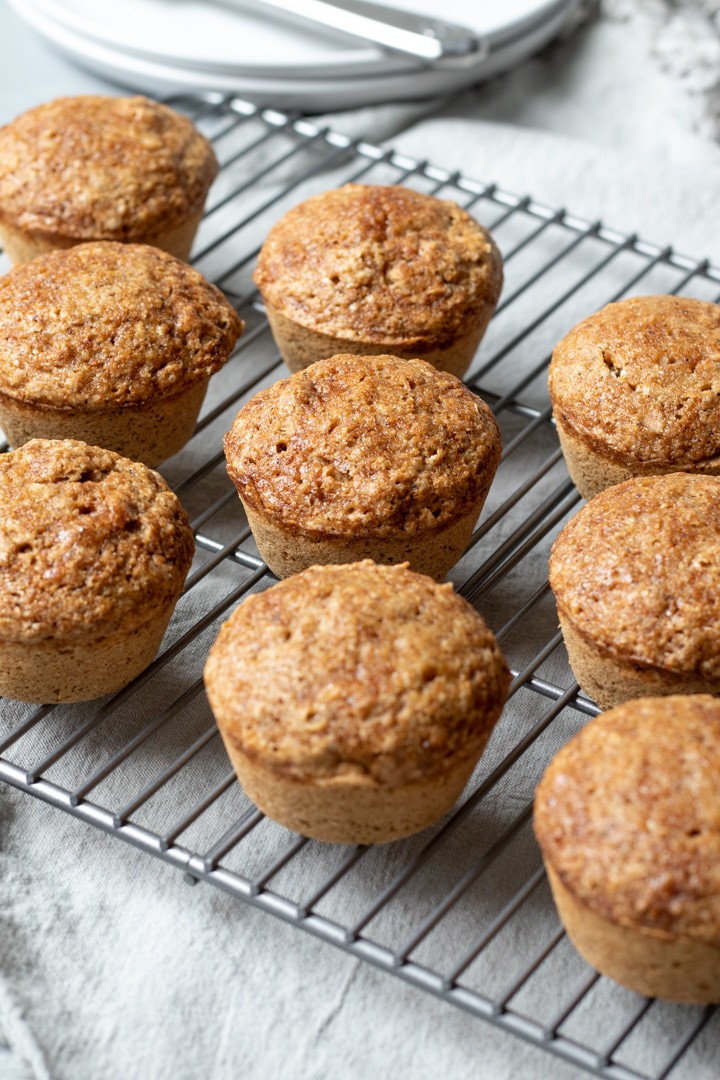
354 701
110 343
94 550
636 577
635 391
102 168
369 269
628 820
363 457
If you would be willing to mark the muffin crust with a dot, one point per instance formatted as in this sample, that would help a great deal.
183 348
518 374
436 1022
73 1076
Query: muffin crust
364 446
638 383
384 266
108 324
90 168
628 817
356 673
637 574
90 543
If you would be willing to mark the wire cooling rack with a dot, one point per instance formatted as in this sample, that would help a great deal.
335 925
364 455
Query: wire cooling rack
463 910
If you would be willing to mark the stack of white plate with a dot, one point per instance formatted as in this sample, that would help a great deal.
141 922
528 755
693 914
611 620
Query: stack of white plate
167 45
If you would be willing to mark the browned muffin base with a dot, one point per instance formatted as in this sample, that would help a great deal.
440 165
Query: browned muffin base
52 672
300 347
610 682
351 809
669 968
287 552
178 241
147 433
21 246
592 473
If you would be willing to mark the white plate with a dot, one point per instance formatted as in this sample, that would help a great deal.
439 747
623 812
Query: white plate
224 38
307 89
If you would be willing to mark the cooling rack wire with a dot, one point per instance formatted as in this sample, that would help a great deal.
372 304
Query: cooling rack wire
462 911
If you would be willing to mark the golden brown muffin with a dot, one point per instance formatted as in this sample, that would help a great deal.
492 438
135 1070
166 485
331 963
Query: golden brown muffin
636 391
628 820
94 550
369 269
102 168
354 701
363 457
636 577
110 343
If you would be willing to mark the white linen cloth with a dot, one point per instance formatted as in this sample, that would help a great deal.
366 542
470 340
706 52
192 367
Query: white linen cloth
685 39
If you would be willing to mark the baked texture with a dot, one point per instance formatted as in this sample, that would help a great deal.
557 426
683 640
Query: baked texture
354 701
359 457
112 343
94 550
636 391
372 269
102 168
628 819
636 577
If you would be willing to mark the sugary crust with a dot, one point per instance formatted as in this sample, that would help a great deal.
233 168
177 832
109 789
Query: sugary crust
102 168
106 324
637 573
628 816
639 382
358 446
380 264
357 670
90 542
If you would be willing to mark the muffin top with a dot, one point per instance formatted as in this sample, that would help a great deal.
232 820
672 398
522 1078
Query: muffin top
637 571
384 265
640 381
628 815
364 446
90 542
102 168
358 669
108 324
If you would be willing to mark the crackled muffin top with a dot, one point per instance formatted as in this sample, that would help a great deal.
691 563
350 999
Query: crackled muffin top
364 446
356 669
89 542
628 815
639 381
102 168
637 571
383 265
106 324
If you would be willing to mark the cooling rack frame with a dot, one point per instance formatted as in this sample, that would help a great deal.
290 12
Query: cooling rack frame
583 254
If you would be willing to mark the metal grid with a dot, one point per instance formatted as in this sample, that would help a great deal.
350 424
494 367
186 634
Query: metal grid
462 911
